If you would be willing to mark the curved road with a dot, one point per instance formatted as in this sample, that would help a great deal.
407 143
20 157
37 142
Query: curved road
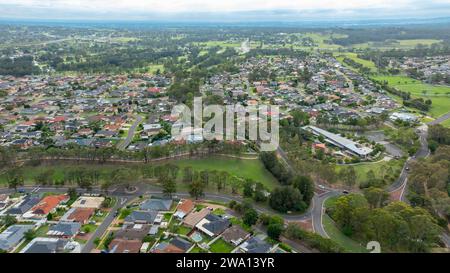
124 144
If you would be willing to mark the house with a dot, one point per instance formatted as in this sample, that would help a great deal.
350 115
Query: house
125 246
10 237
45 245
255 245
403 117
64 229
94 202
25 205
194 217
184 208
49 203
235 235
213 225
141 217
156 204
79 215
133 232
176 245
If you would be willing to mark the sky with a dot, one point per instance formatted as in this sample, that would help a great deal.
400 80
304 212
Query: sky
237 10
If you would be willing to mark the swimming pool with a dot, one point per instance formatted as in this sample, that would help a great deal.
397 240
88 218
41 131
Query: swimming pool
196 237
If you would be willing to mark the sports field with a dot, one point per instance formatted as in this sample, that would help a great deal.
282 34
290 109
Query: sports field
439 95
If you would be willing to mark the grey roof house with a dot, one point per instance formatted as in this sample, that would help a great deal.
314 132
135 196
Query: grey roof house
27 203
141 217
157 204
64 229
45 245
10 237
256 245
213 225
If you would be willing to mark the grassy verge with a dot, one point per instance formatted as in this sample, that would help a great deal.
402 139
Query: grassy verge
337 236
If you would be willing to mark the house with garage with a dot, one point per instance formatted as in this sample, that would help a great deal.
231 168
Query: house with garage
45 245
64 230
11 236
141 217
194 217
235 235
213 225
175 245
184 208
79 215
155 204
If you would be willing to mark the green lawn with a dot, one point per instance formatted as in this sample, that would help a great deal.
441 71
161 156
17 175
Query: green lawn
403 44
439 95
446 123
183 230
353 56
336 235
245 168
88 228
197 249
378 168
29 172
220 246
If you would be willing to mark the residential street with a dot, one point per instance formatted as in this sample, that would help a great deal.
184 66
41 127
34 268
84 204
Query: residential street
124 143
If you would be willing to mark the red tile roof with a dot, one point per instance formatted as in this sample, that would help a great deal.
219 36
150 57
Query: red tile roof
186 206
47 204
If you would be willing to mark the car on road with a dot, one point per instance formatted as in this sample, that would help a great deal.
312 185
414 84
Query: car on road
322 186
345 192
407 169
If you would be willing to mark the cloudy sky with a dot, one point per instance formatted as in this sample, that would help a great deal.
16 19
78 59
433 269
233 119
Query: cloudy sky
221 9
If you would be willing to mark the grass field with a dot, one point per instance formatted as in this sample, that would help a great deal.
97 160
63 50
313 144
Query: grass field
439 95
353 56
446 123
220 246
219 43
29 172
336 235
377 167
245 168
402 44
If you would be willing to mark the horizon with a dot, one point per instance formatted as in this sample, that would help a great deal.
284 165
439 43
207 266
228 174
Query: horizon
229 11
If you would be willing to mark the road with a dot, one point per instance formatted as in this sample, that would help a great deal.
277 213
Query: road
440 119
124 144
315 212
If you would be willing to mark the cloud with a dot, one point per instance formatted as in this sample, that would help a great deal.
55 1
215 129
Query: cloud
144 9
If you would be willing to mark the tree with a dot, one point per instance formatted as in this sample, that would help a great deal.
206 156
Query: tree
30 234
287 198
250 217
348 176
196 189
72 193
260 193
349 213
274 231
169 187
376 197
187 174
14 178
8 220
306 187
248 188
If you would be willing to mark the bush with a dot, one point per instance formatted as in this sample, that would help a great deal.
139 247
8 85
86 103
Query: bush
313 240
286 199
